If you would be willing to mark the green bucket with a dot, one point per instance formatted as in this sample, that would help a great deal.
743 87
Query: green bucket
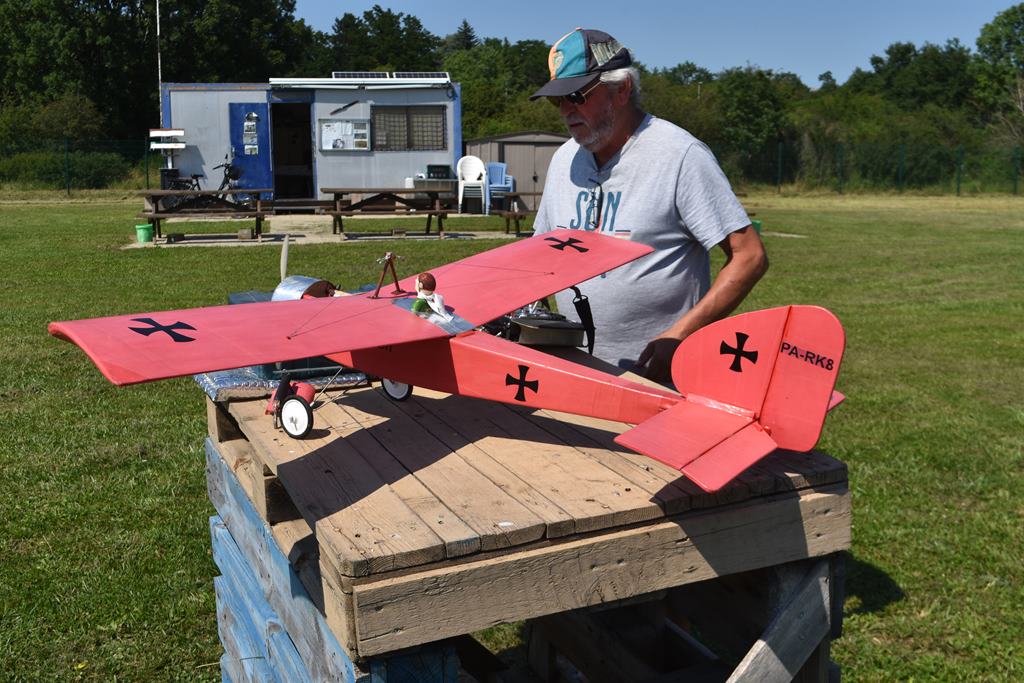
144 233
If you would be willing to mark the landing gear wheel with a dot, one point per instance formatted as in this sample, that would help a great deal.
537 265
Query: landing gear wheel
396 391
296 417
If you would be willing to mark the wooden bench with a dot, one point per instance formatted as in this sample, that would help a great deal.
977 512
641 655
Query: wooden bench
338 226
156 218
215 206
289 204
406 524
513 217
516 208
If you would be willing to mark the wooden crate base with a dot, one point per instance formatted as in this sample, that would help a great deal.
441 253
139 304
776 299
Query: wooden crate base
769 625
409 525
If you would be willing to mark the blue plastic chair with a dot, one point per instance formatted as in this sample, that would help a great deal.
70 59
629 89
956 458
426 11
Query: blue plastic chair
498 180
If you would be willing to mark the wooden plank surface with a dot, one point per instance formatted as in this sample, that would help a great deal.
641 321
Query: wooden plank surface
238 636
595 496
362 525
557 521
264 491
241 607
594 437
497 519
389 486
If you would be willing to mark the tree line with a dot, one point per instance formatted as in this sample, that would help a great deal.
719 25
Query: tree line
87 70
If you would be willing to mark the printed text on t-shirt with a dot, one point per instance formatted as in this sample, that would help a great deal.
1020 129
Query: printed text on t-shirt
596 215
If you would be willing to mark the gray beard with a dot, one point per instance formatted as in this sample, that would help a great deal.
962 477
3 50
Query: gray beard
599 134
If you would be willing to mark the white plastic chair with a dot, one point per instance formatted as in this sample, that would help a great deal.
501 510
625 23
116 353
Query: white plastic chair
473 181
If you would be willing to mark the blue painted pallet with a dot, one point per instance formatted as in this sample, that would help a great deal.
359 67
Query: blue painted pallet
228 673
251 632
260 584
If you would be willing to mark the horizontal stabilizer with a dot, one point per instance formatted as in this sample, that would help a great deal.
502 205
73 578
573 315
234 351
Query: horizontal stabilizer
836 399
683 433
730 458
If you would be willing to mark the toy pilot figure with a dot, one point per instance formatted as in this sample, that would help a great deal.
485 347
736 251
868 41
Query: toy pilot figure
427 300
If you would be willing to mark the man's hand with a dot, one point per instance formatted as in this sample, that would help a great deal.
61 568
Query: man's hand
655 363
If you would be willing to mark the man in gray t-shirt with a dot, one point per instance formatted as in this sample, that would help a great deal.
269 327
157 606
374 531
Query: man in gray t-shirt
634 176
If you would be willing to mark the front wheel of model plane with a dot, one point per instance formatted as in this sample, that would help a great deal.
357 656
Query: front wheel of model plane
296 417
396 391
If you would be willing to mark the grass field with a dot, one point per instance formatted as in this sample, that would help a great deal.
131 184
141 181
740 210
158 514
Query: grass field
106 572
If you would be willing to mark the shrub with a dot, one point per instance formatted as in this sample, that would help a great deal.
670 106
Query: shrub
55 169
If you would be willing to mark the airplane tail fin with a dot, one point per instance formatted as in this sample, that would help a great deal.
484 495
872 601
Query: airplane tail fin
751 383
801 390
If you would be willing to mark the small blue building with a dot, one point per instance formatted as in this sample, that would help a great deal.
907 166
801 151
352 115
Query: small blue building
296 135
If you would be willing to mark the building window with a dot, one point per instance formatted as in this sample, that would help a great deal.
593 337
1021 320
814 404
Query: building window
401 129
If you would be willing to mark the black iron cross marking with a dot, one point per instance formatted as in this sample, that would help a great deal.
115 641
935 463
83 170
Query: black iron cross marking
738 353
571 242
522 383
169 329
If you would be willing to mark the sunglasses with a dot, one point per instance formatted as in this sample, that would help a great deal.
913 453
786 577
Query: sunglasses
577 98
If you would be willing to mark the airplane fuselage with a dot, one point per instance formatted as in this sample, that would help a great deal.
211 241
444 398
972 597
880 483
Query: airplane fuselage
481 365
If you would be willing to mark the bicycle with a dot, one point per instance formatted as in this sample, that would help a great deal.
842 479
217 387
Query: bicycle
175 201
230 175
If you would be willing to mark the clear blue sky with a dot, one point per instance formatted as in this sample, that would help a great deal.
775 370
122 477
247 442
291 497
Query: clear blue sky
805 37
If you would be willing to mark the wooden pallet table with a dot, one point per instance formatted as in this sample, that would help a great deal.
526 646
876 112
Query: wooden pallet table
408 524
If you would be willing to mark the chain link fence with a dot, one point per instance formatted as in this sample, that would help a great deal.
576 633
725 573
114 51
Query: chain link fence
70 165
870 167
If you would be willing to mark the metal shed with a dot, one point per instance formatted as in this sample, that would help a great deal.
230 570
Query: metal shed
527 154
355 129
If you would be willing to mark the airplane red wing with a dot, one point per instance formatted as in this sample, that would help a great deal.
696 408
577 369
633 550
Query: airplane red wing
488 285
150 346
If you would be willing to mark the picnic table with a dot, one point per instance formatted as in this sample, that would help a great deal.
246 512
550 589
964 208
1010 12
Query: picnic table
204 204
515 208
387 201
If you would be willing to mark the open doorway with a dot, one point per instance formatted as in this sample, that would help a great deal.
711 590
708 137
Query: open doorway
293 150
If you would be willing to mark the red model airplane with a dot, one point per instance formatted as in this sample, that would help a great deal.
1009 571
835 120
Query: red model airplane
748 384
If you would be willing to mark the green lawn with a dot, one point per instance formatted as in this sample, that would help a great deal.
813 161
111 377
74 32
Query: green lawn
106 572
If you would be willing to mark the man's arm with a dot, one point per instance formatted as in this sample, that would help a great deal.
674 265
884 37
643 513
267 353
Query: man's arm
745 264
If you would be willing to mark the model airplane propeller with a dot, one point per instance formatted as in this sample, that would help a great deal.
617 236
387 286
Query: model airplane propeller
747 385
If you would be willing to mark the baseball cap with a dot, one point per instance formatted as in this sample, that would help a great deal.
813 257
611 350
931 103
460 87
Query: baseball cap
578 57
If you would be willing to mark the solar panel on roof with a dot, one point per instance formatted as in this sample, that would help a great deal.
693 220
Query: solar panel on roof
420 74
360 74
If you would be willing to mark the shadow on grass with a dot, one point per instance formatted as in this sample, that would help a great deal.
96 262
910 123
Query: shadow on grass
868 588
